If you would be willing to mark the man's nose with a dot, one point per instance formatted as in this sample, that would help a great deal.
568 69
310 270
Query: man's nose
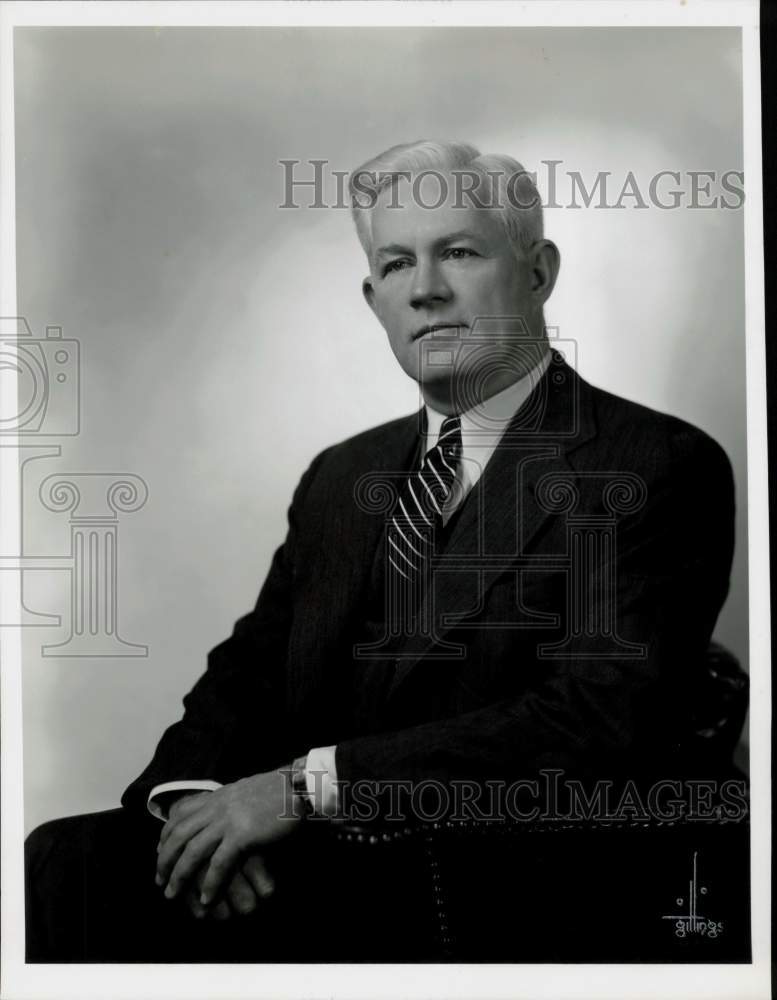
429 286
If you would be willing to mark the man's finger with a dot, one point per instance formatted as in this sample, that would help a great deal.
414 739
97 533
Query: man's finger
221 863
255 870
184 802
194 854
192 898
182 827
192 895
170 850
241 894
182 810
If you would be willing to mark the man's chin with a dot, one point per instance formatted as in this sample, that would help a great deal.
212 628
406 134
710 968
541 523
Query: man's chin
437 379
439 389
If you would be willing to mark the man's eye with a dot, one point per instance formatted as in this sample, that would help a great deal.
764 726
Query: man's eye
458 253
395 265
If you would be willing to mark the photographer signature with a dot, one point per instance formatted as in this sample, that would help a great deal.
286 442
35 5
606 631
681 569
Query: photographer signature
692 922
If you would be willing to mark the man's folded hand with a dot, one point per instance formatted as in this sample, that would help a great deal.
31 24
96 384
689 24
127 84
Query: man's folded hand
247 886
214 831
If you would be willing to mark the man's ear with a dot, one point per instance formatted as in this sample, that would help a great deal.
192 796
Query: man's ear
368 291
545 263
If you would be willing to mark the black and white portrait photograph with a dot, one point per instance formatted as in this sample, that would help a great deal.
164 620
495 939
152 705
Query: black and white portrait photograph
384 552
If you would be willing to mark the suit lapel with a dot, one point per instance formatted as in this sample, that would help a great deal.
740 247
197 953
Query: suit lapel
352 521
369 499
502 516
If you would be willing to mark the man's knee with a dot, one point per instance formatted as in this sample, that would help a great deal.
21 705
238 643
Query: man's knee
50 837
60 848
85 874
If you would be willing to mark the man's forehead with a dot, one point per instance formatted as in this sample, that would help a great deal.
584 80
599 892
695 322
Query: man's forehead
425 209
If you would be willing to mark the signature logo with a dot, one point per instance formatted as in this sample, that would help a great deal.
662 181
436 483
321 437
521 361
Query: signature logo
693 922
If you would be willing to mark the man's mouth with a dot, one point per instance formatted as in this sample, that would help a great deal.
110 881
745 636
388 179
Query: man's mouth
435 328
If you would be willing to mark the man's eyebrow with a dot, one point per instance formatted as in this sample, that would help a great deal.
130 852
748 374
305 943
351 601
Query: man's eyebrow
397 248
391 248
461 234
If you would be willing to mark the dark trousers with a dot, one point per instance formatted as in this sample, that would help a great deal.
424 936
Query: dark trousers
541 894
91 897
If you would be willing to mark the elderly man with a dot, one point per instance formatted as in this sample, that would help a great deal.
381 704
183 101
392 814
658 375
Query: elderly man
431 619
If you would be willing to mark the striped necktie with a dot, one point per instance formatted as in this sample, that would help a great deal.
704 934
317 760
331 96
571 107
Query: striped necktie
418 516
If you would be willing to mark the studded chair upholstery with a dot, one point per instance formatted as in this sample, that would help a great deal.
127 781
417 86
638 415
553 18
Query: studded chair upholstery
577 890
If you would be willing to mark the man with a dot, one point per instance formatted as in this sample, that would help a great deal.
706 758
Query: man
523 576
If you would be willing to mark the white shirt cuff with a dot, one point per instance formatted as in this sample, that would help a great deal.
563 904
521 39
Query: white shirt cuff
321 780
158 810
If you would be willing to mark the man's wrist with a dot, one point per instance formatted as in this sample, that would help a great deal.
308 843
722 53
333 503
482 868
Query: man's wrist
162 796
301 800
322 779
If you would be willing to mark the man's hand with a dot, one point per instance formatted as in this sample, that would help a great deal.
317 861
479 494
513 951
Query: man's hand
220 827
247 886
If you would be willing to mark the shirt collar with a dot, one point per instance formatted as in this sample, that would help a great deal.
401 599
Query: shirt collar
484 424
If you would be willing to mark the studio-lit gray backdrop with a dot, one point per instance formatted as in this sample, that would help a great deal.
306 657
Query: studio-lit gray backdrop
224 341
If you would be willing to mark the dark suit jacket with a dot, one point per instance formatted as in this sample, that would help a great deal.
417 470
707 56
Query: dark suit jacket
517 678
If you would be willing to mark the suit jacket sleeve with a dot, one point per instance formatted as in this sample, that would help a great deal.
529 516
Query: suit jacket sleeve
233 721
593 715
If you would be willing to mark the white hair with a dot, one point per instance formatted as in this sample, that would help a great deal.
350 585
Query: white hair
508 188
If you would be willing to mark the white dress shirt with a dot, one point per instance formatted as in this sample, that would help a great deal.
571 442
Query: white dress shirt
482 428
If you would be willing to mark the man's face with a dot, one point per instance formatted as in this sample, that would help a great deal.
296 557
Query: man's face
434 273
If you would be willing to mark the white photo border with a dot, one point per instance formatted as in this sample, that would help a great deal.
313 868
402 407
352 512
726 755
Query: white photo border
345 981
